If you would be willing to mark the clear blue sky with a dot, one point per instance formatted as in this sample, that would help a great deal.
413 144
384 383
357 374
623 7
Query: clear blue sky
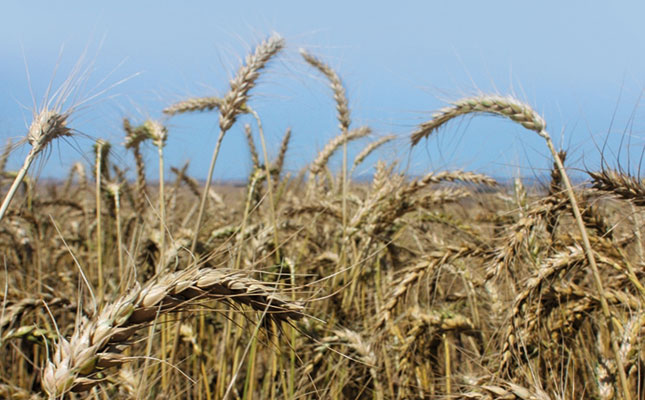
579 63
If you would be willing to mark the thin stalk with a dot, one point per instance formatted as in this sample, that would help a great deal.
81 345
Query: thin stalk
17 181
612 325
99 228
207 185
117 206
446 346
637 233
247 209
162 212
274 221
250 371
161 264
345 184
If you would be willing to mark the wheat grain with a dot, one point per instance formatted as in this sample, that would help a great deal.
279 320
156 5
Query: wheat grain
94 343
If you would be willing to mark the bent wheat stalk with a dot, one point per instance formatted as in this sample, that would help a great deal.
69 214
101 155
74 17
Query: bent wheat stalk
523 114
97 342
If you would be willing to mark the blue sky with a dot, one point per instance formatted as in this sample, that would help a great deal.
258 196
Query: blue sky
581 64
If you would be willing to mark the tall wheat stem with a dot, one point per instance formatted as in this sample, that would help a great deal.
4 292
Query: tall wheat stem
16 182
267 168
612 324
99 228
207 185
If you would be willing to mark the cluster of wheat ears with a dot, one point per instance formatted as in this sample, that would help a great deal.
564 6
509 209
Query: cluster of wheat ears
447 286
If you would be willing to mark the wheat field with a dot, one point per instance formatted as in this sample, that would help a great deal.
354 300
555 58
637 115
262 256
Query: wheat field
449 285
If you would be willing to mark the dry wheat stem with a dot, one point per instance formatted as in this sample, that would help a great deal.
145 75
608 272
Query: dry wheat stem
95 343
101 149
369 149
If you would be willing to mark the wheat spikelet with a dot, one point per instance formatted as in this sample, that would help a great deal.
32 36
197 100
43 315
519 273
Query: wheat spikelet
319 207
234 101
47 126
5 156
278 165
12 313
255 159
323 156
194 104
411 276
620 184
549 269
157 132
369 149
93 345
555 185
517 234
133 139
430 325
16 393
342 106
447 176
490 104
366 354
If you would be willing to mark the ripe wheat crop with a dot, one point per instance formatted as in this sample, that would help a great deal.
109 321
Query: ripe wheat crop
449 285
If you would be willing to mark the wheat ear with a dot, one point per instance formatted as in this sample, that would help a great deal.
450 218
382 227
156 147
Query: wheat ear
5 156
95 344
323 156
523 114
369 149
342 107
46 126
194 104
133 139
622 185
233 104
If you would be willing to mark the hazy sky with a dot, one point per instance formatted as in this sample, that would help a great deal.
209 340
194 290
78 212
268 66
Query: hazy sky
581 64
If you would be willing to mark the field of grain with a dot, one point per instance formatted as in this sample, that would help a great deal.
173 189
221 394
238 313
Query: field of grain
449 285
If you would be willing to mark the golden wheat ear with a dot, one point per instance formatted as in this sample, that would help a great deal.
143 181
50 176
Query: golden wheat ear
46 126
96 344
